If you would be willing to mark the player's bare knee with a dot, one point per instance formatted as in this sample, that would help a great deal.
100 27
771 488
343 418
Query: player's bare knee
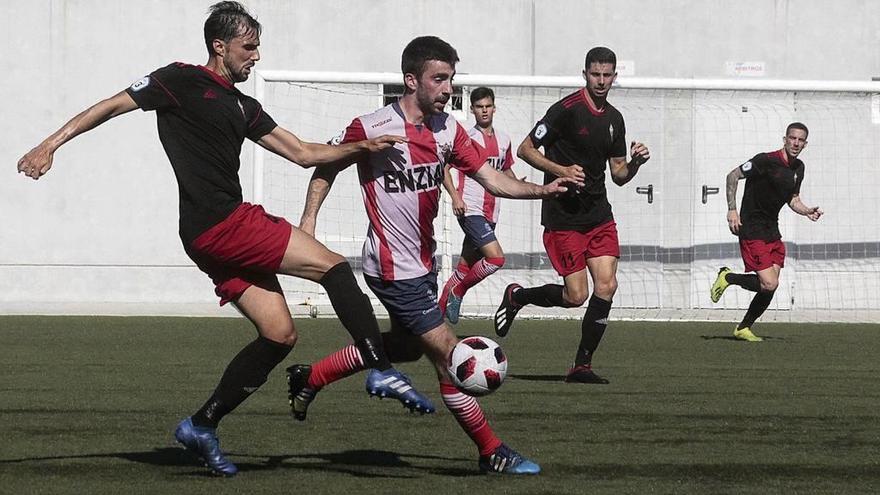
281 330
606 289
574 297
769 285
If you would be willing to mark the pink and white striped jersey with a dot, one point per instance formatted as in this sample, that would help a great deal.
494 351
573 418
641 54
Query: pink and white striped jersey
478 200
401 187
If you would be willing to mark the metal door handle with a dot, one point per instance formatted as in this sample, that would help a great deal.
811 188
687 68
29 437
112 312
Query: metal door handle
649 190
707 191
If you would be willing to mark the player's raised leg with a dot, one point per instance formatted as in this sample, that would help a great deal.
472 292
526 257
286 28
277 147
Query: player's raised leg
307 258
407 311
494 455
726 277
482 262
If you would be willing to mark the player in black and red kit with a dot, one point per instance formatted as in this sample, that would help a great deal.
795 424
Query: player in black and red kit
772 179
580 134
203 121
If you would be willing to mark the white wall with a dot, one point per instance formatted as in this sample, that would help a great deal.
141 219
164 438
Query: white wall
101 228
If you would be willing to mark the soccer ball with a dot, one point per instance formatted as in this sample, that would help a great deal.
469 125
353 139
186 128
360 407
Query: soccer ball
477 366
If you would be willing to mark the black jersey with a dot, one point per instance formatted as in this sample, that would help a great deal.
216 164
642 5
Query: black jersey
574 133
771 182
202 122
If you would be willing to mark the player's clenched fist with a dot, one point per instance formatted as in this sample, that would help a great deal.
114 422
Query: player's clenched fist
639 153
36 162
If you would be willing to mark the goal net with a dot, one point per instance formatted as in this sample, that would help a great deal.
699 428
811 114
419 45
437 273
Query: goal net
671 218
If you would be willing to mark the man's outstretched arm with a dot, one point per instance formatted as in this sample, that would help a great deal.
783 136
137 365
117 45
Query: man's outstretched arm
505 186
286 144
38 161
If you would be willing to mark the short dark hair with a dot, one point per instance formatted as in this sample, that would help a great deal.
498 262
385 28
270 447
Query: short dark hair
600 55
425 48
797 125
226 20
480 93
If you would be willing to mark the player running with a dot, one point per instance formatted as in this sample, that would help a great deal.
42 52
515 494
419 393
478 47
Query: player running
476 208
401 192
203 121
772 180
580 134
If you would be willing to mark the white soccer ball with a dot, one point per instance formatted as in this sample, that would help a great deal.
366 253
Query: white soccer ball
477 366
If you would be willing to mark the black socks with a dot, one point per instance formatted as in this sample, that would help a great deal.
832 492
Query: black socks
759 304
546 296
354 310
247 371
592 329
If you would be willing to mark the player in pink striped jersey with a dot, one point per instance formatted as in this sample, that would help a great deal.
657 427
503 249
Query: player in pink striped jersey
476 208
401 191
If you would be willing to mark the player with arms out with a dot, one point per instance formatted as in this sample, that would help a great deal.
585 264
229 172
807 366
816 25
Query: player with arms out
401 193
580 134
772 179
203 121
476 209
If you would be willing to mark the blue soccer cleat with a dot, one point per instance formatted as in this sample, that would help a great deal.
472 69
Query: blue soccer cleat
392 383
203 442
453 307
505 460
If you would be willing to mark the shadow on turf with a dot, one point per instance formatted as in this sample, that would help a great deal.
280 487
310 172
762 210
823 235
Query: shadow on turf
539 378
358 463
734 339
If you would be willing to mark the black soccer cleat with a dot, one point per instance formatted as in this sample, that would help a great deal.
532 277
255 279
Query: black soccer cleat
299 394
507 311
584 374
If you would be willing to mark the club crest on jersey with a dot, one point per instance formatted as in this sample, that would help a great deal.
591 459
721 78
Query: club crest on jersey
611 130
140 84
423 178
446 151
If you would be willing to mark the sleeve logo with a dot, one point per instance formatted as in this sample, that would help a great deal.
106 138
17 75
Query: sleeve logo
337 139
140 84
745 167
540 131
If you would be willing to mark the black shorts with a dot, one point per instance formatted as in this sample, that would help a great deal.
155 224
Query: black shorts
412 303
477 231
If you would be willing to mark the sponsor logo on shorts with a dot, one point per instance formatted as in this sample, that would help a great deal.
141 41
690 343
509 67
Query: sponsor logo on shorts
140 84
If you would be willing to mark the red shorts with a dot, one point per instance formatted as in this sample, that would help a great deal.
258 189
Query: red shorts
245 249
569 250
759 255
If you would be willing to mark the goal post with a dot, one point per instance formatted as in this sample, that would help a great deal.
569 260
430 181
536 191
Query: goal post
671 217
